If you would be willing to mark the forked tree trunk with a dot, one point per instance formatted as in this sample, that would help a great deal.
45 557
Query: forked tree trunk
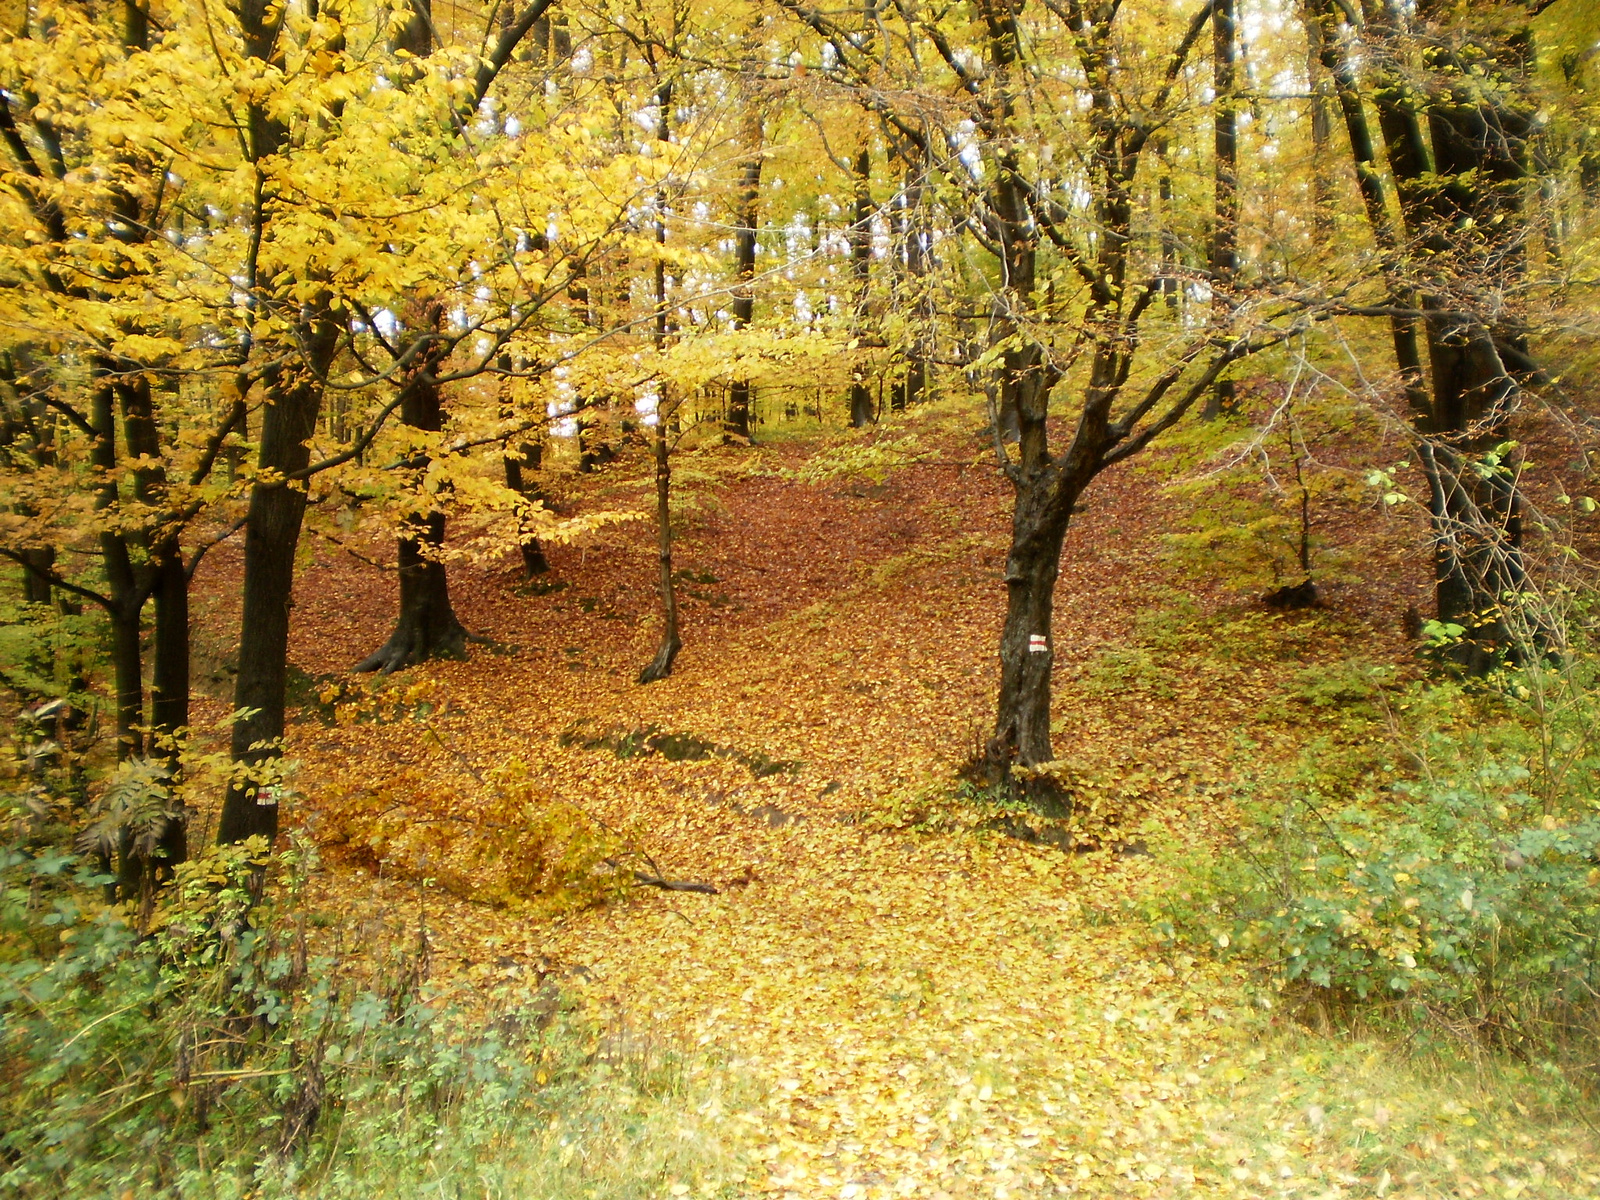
1460 198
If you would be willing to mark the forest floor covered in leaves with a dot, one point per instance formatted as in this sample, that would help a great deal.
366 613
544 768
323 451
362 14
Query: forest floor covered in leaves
884 998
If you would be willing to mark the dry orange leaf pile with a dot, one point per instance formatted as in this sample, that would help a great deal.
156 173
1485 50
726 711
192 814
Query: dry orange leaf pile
875 1010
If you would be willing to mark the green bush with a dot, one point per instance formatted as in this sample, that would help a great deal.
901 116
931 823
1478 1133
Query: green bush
1457 895
217 1055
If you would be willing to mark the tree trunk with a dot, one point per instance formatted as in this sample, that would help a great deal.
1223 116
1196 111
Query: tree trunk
123 584
744 253
1322 176
862 409
661 666
169 691
272 534
1027 652
427 626
530 455
1171 285
914 240
1225 170
1461 199
36 577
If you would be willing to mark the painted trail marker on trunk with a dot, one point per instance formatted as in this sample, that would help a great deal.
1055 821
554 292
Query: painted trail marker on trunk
1038 644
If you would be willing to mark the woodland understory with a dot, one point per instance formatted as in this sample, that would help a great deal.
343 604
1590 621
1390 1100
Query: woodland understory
629 598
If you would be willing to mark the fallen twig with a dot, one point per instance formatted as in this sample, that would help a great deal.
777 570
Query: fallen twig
675 885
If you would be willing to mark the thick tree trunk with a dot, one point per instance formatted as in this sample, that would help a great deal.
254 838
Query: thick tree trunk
427 627
862 409
272 534
1027 649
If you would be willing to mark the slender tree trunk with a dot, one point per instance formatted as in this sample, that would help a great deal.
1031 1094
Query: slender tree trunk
744 253
1171 287
1322 176
1225 171
123 584
666 654
1369 184
915 245
527 455
661 666
860 236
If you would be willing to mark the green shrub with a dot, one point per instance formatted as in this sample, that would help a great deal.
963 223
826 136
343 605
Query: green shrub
1457 895
217 1055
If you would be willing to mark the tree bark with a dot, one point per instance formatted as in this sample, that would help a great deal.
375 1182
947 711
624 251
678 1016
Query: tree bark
1461 201
1322 177
862 409
121 579
427 626
529 455
667 652
1171 285
272 533
744 253
914 245
1027 649
1225 178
